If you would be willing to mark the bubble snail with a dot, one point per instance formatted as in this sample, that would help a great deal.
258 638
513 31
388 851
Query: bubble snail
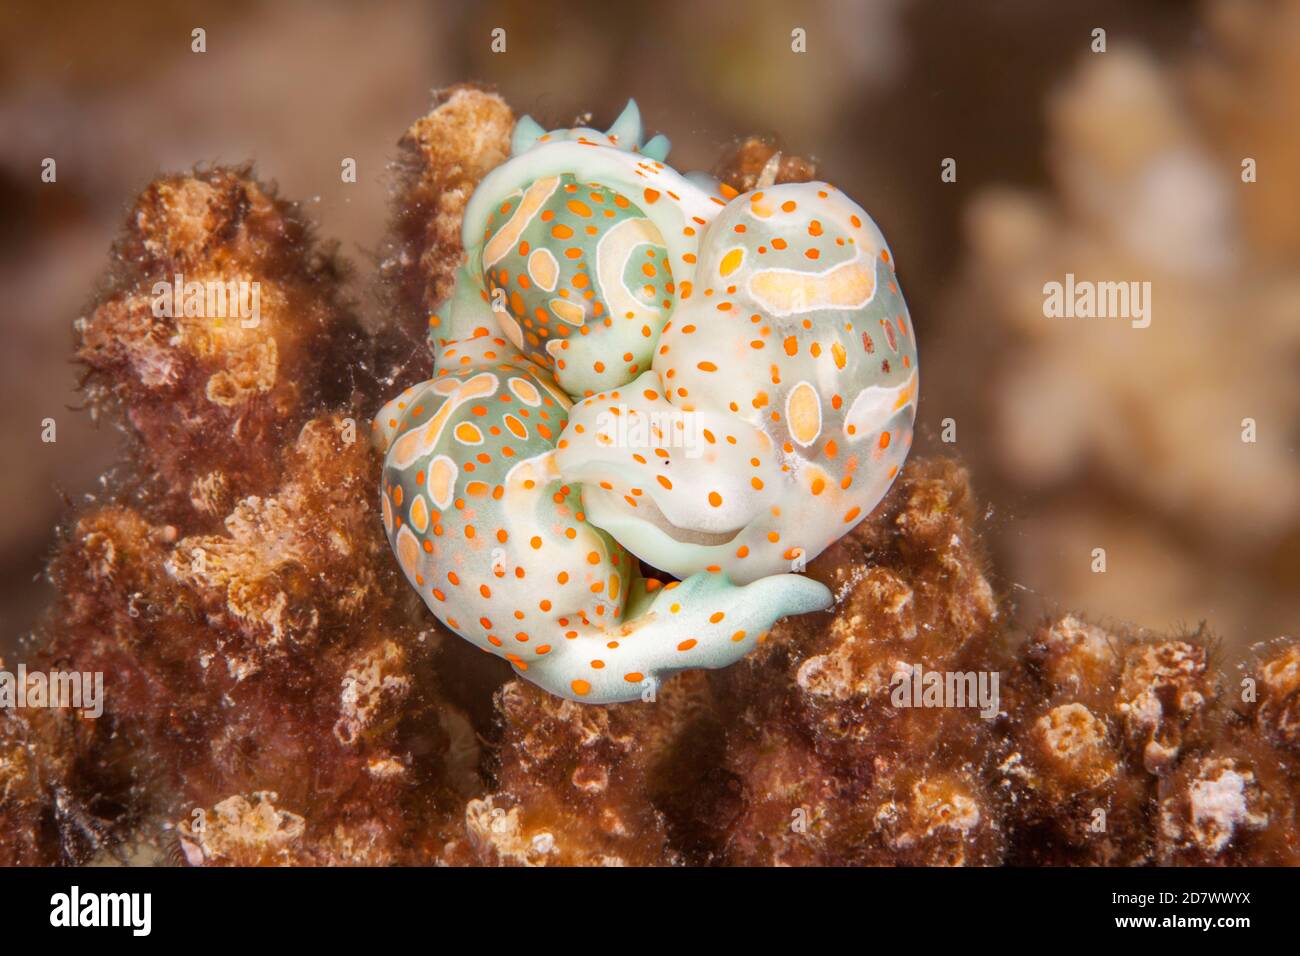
636 364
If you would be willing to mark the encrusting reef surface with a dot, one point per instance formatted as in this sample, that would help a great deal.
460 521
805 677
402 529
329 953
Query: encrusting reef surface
275 693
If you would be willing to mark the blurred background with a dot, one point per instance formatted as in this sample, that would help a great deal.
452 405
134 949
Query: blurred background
1123 165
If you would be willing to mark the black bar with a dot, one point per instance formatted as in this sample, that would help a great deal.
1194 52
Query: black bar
976 907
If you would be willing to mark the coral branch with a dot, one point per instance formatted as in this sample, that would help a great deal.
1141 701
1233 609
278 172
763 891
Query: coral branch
274 694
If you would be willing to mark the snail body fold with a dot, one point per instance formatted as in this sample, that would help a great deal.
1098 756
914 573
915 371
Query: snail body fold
635 365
